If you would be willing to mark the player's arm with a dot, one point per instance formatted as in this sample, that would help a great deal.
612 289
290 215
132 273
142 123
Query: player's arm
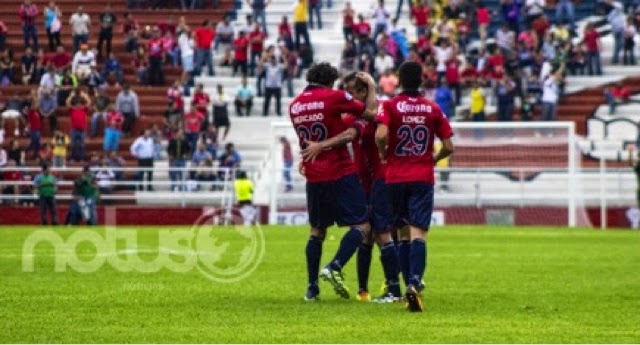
313 148
371 102
445 151
382 133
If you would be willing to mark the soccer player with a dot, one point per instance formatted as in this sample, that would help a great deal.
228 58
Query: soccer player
334 194
371 170
407 126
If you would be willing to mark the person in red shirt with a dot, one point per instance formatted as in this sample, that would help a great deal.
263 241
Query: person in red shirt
361 29
256 39
35 128
592 41
452 77
174 94
371 170
192 124
468 75
334 193
408 124
618 94
348 15
79 108
155 74
28 13
420 14
203 38
113 130
284 33
61 60
540 25
240 53
200 100
484 19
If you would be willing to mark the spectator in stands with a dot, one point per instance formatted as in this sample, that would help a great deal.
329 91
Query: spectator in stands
82 62
566 7
287 160
220 112
420 17
16 153
300 18
53 25
240 53
28 13
285 34
388 83
172 115
131 29
6 68
79 104
399 8
178 152
175 96
155 74
210 139
618 94
230 158
534 9
444 98
95 81
48 106
28 66
224 40
61 59
105 177
108 20
60 143
3 34
256 40
628 55
201 100
113 130
292 65
101 104
128 104
34 123
116 163
200 155
274 74
258 8
141 65
88 195
186 45
617 21
244 98
383 62
192 124
170 48
45 156
505 39
47 185
478 101
13 110
80 24
348 19
314 6
505 92
452 77
113 67
143 149
203 38
381 17
551 93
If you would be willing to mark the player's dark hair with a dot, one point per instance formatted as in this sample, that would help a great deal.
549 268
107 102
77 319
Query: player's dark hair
410 75
353 77
322 74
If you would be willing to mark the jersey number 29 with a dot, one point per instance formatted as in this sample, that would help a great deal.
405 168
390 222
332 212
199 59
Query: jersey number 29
413 141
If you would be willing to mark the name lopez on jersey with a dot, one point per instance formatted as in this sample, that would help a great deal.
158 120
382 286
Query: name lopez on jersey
404 107
297 108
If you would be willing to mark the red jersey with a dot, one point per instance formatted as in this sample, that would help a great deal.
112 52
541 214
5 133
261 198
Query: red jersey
495 61
60 60
376 169
240 49
35 124
347 20
257 38
284 30
203 37
316 115
78 117
362 29
175 94
360 161
421 15
452 72
200 101
115 120
482 14
164 27
591 40
413 123
154 47
193 121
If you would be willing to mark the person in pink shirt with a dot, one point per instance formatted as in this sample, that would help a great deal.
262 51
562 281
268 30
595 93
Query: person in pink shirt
113 130
388 83
170 48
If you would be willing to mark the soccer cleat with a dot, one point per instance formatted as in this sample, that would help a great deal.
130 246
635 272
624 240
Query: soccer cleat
388 298
336 280
363 295
313 294
414 300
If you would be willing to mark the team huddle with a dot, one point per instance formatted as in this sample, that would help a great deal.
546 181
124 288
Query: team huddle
382 189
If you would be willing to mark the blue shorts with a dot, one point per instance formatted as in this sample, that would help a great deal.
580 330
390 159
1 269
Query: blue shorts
339 202
380 207
412 203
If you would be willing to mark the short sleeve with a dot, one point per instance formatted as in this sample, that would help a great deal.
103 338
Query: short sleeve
383 115
345 103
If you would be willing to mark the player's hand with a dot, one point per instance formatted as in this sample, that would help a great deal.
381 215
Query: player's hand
301 169
312 150
365 77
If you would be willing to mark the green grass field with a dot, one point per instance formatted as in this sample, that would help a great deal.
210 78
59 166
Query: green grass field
484 285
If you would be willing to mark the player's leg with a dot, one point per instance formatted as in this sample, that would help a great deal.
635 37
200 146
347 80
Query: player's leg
363 266
319 221
381 218
350 201
404 251
398 196
419 219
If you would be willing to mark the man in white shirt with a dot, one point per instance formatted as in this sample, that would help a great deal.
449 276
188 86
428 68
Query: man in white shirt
381 19
274 74
143 149
80 23
83 60
224 39
382 62
534 8
49 80
550 94
186 45
505 39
